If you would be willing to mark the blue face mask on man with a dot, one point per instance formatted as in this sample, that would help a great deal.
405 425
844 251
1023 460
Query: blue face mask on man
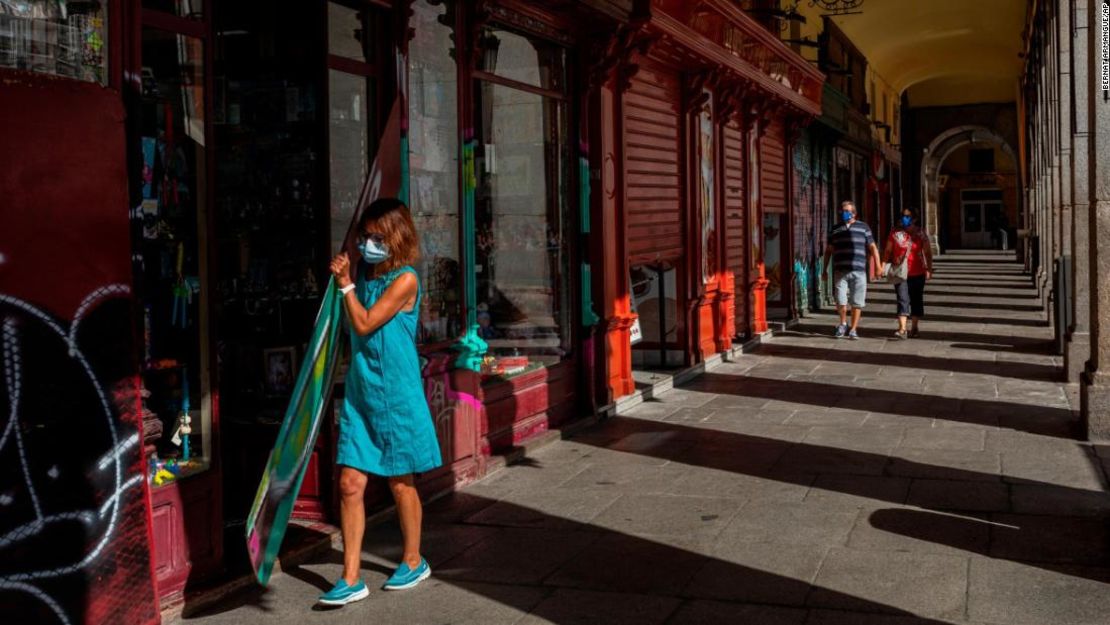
907 221
847 215
373 251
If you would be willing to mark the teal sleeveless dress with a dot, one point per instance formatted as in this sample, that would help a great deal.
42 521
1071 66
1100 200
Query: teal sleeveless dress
386 427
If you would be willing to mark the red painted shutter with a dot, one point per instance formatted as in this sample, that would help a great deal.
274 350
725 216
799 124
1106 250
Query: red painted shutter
735 234
772 173
653 161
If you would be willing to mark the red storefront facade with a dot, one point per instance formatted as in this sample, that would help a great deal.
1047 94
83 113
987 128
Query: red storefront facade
548 166
695 123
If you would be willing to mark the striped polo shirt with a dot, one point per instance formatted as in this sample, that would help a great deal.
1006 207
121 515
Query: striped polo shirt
850 245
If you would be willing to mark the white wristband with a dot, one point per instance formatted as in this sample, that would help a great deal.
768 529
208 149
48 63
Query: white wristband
347 289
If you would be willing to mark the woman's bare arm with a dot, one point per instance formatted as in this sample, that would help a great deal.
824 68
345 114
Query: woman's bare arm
400 294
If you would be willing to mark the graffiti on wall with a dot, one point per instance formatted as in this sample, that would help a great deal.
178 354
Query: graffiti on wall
73 545
810 212
74 522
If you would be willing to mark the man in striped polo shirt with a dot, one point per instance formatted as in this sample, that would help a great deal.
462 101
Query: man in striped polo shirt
849 245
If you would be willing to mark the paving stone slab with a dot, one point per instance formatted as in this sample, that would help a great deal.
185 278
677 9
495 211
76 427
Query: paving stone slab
917 584
875 440
693 517
517 556
622 563
946 464
1076 468
1022 594
921 531
791 523
858 490
548 508
1049 539
718 613
628 479
568 606
817 460
759 488
967 439
792 569
840 617
828 417
1054 500
960 496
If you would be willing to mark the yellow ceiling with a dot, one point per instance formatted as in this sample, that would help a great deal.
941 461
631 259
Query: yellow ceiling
944 52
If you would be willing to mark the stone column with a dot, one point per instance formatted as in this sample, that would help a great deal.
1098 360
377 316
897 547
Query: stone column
1078 347
1061 118
1044 141
1064 128
1095 387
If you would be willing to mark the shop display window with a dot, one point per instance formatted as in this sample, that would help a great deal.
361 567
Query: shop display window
522 222
349 129
434 170
55 37
351 112
269 223
171 270
345 29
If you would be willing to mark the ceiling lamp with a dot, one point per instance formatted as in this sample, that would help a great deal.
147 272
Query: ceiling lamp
838 7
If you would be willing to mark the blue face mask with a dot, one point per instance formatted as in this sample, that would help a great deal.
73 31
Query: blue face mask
372 251
847 216
907 221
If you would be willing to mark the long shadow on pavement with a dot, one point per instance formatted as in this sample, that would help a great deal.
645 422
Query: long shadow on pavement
1053 543
1042 420
1019 370
568 572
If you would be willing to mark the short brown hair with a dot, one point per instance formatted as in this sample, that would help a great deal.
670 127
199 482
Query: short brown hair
390 218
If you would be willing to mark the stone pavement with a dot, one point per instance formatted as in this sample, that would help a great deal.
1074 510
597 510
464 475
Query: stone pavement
817 481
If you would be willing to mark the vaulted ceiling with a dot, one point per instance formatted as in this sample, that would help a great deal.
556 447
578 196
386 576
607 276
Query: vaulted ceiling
944 52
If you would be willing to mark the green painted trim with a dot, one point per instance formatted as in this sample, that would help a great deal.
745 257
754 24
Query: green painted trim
471 347
589 317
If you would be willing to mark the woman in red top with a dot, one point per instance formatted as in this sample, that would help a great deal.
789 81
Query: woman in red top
908 243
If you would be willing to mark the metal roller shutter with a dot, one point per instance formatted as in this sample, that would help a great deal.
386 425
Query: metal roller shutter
772 174
653 164
736 248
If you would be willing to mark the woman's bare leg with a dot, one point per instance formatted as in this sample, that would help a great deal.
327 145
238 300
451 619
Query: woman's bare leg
410 514
352 519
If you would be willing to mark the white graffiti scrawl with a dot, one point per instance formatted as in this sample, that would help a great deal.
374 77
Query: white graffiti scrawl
101 515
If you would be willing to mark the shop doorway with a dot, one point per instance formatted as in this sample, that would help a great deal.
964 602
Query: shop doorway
655 338
980 214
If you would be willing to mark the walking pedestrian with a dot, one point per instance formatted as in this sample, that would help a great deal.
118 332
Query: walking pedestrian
908 244
386 427
851 245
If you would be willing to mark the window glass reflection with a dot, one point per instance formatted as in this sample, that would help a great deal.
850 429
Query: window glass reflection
532 62
348 124
433 170
523 267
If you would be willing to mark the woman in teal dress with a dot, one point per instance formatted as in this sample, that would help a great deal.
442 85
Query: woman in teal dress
385 428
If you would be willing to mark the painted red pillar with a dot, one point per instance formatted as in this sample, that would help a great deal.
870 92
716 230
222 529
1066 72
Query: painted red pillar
609 228
759 299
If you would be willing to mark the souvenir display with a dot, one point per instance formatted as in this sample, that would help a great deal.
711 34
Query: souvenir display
168 262
55 37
